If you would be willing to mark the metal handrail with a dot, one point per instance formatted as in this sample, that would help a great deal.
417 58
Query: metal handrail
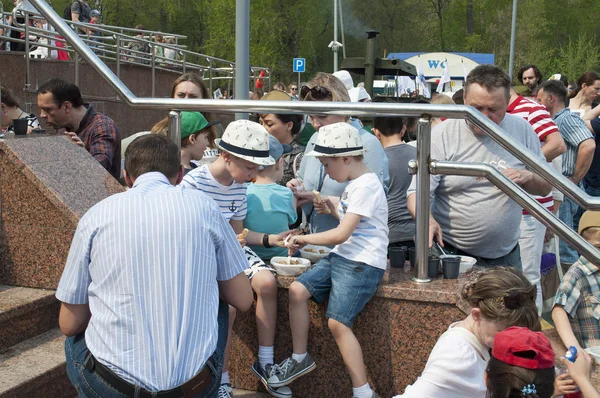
519 195
132 56
425 111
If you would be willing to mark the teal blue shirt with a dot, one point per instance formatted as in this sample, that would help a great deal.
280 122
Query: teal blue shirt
270 211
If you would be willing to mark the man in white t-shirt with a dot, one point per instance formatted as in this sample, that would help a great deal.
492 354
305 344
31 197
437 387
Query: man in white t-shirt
469 215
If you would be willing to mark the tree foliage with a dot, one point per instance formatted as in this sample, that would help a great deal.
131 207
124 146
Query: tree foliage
556 36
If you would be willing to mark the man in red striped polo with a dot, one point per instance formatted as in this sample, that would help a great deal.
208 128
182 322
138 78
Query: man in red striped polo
531 241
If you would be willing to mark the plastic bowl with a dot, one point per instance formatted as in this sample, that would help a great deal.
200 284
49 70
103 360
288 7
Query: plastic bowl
466 263
594 353
283 268
314 253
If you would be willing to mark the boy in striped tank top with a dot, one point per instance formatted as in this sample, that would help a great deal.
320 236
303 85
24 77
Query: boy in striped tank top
244 148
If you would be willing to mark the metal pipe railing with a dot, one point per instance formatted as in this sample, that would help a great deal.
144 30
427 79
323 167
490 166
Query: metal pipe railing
423 198
133 56
519 195
426 111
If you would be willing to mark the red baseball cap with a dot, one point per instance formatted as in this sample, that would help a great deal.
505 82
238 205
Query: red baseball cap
522 347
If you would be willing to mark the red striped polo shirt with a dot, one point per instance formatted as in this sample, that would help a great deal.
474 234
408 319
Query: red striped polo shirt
539 118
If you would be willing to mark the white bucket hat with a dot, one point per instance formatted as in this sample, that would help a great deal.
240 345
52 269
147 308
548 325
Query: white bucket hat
247 140
338 139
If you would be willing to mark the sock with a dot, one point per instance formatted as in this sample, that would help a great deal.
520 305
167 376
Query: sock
299 357
225 378
362 392
265 356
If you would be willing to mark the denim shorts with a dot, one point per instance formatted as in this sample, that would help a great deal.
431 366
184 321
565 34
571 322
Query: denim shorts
349 285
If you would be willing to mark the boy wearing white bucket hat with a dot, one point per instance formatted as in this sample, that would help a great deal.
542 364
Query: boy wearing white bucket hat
350 275
244 149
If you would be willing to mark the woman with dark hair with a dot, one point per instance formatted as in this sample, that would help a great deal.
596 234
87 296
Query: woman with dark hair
11 110
588 89
499 298
284 128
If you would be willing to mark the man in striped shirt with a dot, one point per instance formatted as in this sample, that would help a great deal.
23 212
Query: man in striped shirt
578 157
141 286
531 241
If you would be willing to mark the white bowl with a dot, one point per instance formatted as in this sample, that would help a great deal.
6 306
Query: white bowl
594 353
283 268
314 253
466 263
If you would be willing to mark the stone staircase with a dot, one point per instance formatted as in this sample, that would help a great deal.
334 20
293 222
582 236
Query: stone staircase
32 358
46 184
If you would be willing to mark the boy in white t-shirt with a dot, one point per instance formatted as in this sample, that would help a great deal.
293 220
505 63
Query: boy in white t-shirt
350 275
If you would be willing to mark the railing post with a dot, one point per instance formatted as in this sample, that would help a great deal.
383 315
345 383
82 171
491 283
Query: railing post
183 61
76 68
423 200
175 127
27 70
118 39
210 76
153 71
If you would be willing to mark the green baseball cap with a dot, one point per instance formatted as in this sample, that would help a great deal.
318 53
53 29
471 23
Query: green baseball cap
193 122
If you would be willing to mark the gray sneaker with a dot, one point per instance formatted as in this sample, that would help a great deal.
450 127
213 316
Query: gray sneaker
263 375
225 391
289 370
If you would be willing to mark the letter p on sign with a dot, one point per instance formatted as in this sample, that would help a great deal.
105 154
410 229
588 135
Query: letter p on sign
299 65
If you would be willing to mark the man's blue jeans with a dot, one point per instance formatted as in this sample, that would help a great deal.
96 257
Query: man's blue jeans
90 385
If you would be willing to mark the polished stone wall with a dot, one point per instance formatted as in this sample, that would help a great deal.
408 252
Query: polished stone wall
46 185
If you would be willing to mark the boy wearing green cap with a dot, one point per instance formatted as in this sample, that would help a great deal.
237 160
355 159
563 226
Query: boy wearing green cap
194 138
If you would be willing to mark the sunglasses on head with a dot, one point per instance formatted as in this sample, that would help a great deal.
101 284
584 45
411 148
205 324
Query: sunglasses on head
316 93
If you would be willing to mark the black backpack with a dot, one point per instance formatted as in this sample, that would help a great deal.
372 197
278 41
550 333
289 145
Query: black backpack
67 12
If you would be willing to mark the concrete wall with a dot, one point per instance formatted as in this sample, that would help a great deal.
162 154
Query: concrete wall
93 87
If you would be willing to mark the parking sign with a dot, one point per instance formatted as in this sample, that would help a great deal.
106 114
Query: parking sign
299 65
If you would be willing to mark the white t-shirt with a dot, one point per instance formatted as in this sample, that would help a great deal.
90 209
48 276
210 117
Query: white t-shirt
231 199
368 243
454 369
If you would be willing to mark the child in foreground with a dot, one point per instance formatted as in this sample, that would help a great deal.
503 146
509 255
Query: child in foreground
499 297
350 275
521 365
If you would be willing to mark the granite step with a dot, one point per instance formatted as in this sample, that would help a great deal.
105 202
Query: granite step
249 394
36 368
25 313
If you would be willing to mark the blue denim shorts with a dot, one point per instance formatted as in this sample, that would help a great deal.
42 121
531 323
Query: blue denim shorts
349 285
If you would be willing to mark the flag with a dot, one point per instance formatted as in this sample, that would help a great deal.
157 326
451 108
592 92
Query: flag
445 78
420 80
464 69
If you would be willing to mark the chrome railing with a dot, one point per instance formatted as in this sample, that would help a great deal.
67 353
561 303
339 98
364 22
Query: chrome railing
112 46
423 166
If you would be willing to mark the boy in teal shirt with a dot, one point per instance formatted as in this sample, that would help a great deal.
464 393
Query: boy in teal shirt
271 207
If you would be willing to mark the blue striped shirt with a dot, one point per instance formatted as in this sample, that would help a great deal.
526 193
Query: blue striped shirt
231 199
147 261
574 131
